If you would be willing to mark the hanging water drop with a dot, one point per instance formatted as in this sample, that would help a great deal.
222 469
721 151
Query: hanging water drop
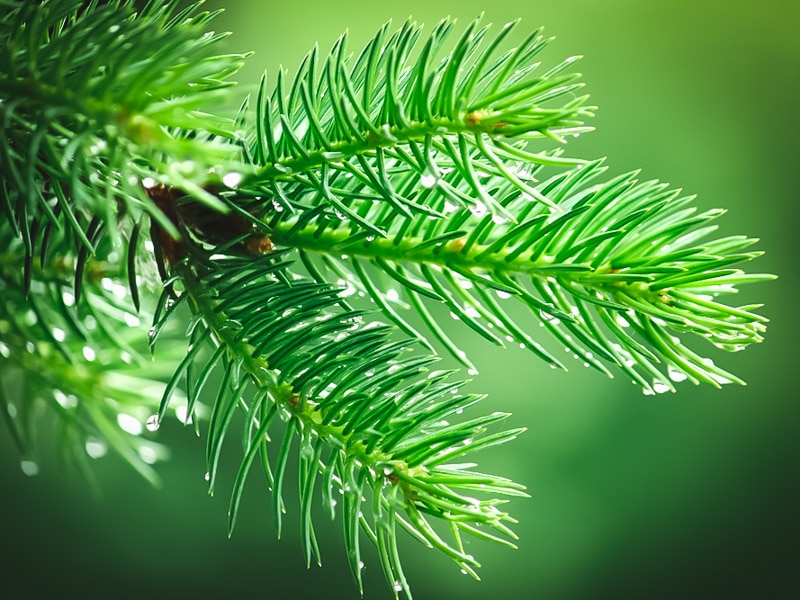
96 448
659 387
129 424
676 375
152 423
29 467
232 179
427 180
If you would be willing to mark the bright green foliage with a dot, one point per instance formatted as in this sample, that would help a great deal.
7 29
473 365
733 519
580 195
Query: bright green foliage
420 173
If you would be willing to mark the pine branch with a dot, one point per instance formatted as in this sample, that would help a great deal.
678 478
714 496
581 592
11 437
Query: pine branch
613 274
98 98
413 172
365 131
367 428
74 368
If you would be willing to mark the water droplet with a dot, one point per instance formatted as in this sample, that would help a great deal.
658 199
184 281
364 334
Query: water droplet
29 467
96 448
113 29
66 401
478 209
546 316
152 423
148 454
502 295
232 179
622 321
427 180
472 312
677 375
5 351
472 371
659 387
392 295
398 586
131 320
207 476
129 424
59 334
89 353
647 391
148 182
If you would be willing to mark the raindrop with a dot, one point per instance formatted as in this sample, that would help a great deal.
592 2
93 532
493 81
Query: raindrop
148 455
152 423
129 424
89 353
392 295
29 467
621 321
65 401
207 476
427 180
232 179
677 375
502 295
659 387
96 448
546 316
131 320
59 334
478 210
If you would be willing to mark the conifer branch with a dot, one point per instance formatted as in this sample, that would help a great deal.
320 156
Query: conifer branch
414 172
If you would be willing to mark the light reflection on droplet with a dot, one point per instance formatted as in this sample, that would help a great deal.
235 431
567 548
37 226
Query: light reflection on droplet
152 423
129 424
96 448
427 180
676 375
233 179
29 467
148 455
659 387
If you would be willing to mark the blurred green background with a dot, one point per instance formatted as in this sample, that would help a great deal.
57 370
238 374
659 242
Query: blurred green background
693 495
